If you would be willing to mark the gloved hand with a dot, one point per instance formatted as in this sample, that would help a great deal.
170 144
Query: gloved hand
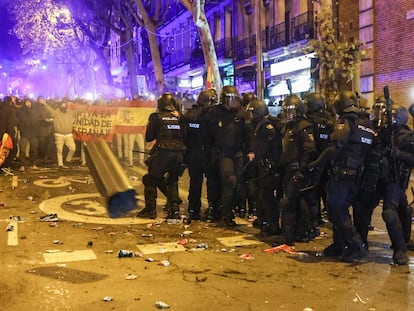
298 176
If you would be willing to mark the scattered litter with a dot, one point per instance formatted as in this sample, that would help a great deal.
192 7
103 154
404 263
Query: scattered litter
246 256
187 232
3 204
149 225
89 244
98 228
147 235
61 265
52 250
128 253
358 298
53 224
109 251
30 198
77 224
16 218
131 277
202 246
182 241
283 247
161 305
42 177
149 259
164 263
57 242
107 298
203 279
301 255
50 217
174 221
308 309
10 228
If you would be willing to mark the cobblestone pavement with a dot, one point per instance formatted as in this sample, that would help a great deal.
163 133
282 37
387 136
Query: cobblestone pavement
73 263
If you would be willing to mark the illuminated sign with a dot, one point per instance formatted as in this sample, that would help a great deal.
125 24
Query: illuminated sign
197 82
185 83
290 65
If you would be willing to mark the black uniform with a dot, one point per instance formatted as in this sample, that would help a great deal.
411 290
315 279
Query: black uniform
197 159
228 134
265 143
165 164
386 177
351 139
298 150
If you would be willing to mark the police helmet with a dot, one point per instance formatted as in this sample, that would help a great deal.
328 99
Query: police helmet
247 98
292 108
230 98
399 114
344 100
207 97
314 102
167 102
257 109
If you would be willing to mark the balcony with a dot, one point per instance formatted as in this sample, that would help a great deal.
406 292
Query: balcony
224 48
245 48
302 27
174 59
274 37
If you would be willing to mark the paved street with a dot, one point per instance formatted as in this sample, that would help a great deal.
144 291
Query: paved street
73 263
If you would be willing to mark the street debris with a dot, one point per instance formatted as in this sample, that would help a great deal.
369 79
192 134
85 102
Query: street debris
131 277
202 246
53 224
161 305
182 241
358 298
147 235
281 248
16 218
128 253
50 217
3 204
109 251
57 242
164 263
10 228
107 298
89 244
246 256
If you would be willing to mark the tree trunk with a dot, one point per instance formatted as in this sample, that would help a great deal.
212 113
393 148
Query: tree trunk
129 53
154 47
210 57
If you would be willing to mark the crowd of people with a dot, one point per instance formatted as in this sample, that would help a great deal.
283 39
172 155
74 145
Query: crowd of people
282 171
285 170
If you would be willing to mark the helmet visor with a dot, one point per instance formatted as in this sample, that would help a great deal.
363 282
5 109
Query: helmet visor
288 113
232 101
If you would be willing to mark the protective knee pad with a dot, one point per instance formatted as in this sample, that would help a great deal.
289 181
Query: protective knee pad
390 215
148 180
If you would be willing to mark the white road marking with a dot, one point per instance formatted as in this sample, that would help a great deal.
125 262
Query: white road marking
69 256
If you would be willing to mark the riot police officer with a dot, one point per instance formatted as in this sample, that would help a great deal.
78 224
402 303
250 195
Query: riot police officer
322 122
298 150
386 177
228 133
351 139
264 153
197 157
165 163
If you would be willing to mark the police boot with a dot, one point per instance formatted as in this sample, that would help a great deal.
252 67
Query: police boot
173 211
212 212
149 211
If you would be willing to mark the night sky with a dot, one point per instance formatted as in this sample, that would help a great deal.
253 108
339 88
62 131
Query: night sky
9 45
